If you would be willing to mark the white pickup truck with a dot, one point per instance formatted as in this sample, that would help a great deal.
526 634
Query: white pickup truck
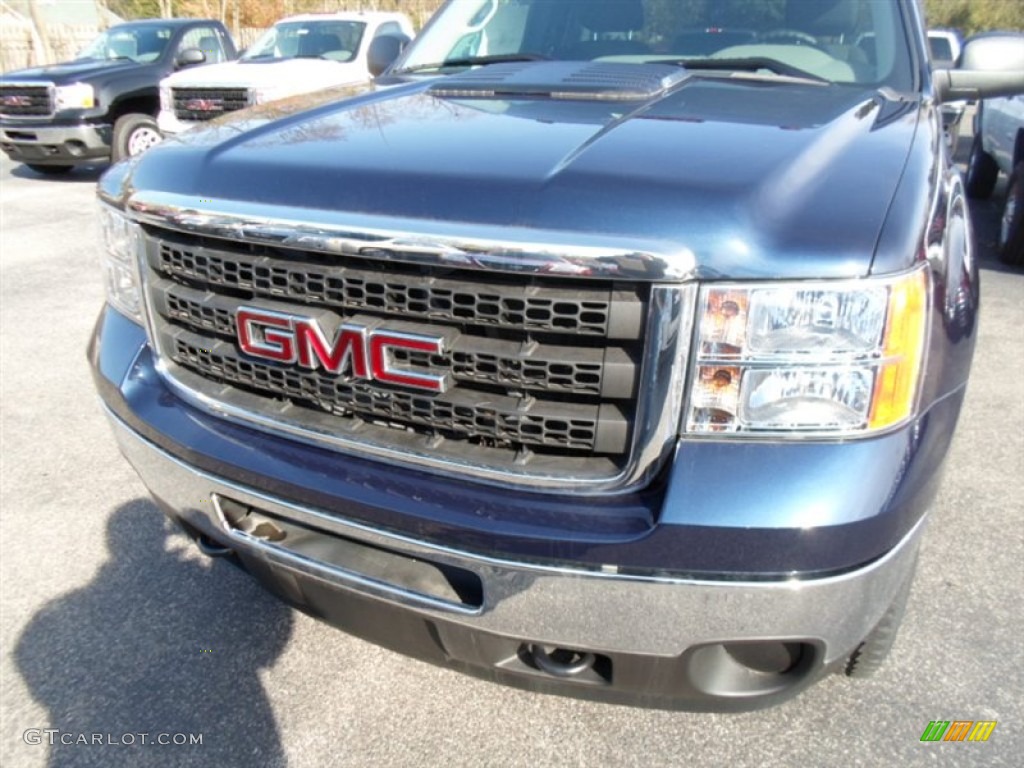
298 54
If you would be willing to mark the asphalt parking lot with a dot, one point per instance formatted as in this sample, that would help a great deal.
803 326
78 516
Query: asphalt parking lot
111 624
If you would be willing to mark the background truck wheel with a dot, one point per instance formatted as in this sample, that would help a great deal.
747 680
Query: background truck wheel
869 656
1011 228
133 135
49 170
982 171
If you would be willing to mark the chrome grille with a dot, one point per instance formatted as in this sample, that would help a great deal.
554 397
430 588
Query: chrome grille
25 100
208 103
610 372
455 414
573 310
545 371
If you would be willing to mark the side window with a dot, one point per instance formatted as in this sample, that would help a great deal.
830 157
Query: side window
206 39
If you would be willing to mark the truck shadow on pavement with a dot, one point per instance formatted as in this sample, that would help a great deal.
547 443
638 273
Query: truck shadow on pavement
157 643
83 174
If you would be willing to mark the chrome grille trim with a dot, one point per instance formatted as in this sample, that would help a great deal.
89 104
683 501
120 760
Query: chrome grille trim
43 85
487 248
667 332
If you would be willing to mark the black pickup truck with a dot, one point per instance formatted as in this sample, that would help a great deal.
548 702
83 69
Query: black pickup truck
103 104
610 349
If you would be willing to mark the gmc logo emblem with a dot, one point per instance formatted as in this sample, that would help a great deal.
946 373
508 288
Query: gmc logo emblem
204 105
16 100
361 352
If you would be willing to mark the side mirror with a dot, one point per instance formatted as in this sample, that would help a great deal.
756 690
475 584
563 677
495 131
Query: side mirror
383 52
189 58
990 65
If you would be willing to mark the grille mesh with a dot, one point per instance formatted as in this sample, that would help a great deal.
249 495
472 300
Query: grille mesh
25 101
539 368
545 368
498 419
575 311
208 103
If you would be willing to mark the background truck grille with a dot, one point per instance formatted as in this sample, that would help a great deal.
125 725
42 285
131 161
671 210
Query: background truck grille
25 100
208 103
544 372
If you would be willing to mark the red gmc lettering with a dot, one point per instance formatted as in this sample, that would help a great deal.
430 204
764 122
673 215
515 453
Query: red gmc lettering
266 334
362 353
381 342
347 350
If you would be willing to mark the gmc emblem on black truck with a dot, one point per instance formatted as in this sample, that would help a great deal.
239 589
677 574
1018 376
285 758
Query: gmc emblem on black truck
361 352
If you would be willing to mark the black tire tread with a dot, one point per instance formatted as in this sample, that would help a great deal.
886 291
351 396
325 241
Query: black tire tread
982 172
1012 251
871 654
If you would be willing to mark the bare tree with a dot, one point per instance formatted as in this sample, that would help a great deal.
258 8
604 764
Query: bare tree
102 14
166 9
40 36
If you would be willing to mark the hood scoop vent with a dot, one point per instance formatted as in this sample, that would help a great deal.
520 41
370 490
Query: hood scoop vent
579 80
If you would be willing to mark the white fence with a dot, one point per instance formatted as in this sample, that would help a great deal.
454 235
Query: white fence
17 49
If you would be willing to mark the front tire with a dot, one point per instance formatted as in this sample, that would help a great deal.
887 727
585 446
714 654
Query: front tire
49 170
133 135
1011 227
871 654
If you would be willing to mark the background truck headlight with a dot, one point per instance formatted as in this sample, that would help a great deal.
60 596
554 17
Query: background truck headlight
266 93
75 96
825 358
120 240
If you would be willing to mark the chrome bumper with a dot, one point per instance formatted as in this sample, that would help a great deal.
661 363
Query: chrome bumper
599 610
40 143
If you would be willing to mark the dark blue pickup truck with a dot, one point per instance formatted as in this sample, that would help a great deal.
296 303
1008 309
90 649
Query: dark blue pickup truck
607 349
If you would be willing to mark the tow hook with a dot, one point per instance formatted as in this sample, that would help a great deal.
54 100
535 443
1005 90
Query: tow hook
236 517
211 548
561 662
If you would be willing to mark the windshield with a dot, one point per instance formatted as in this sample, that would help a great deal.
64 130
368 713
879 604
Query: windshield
335 40
137 43
838 41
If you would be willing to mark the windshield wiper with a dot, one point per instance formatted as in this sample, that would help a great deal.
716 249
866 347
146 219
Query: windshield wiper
749 64
472 61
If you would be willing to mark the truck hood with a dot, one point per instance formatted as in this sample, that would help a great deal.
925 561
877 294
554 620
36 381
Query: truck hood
748 177
290 75
80 70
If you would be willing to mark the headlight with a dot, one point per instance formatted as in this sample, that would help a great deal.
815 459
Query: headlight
828 358
75 96
120 241
265 94
166 99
